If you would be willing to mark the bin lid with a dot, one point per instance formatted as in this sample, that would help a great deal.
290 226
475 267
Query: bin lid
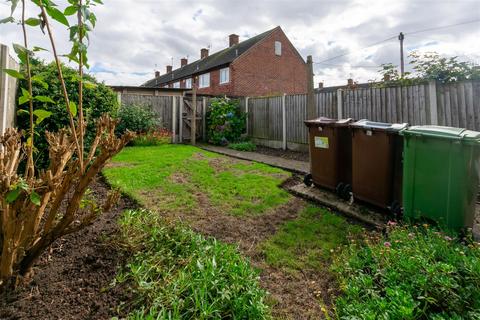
324 121
372 125
443 132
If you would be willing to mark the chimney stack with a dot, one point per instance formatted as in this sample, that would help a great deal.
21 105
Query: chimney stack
203 53
386 78
233 39
350 82
320 85
157 74
169 69
183 62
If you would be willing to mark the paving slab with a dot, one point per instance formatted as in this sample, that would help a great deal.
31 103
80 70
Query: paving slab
296 166
331 200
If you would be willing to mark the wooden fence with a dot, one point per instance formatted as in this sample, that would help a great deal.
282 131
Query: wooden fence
8 89
279 121
455 104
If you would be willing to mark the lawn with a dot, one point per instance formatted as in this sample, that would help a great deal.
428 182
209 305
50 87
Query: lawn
180 177
285 239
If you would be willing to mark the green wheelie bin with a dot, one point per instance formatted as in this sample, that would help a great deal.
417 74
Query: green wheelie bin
441 175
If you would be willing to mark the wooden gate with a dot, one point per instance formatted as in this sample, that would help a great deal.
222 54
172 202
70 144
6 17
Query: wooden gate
186 111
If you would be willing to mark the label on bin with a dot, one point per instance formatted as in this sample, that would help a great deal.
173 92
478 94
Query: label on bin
321 142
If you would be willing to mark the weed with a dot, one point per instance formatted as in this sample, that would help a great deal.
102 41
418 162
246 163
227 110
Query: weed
178 274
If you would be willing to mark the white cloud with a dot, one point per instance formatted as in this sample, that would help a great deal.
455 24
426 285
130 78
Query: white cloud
134 38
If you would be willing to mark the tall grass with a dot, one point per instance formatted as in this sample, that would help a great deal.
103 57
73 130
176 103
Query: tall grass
175 273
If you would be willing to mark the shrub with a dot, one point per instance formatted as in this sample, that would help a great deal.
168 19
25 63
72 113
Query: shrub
225 121
153 138
98 99
136 118
414 273
243 146
178 274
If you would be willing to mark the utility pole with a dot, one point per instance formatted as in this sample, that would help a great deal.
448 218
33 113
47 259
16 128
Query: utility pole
310 94
193 122
401 36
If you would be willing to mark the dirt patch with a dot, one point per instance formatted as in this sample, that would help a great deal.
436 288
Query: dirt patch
72 280
178 177
296 296
286 154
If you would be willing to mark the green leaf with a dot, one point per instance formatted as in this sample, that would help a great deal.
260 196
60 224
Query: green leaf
73 108
33 22
21 52
7 20
69 11
13 195
35 198
43 99
89 84
23 100
57 15
41 115
14 73
39 79
22 111
39 49
13 6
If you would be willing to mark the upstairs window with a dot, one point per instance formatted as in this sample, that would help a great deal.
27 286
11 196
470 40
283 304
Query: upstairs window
224 75
204 80
176 84
278 48
188 83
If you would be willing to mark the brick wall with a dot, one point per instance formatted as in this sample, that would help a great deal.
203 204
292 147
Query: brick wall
260 72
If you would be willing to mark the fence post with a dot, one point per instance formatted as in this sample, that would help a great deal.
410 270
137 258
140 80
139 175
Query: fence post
310 90
180 122
339 104
284 123
246 111
3 88
432 97
204 119
174 119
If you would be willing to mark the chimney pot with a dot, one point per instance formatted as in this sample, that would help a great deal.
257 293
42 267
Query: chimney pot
320 85
203 53
183 62
233 39
350 82
169 69
157 74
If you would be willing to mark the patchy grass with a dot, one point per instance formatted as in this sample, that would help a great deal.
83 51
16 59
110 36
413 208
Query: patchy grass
171 177
308 241
175 273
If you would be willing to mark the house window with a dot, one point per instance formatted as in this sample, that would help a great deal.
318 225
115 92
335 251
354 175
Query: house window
188 83
204 80
176 84
278 48
224 75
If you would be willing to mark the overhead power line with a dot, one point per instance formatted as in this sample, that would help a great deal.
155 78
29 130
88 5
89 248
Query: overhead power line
396 37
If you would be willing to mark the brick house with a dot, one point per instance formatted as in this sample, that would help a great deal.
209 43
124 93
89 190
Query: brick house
267 64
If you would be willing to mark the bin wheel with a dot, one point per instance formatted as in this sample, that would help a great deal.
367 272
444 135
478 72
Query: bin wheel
339 189
396 210
307 180
347 190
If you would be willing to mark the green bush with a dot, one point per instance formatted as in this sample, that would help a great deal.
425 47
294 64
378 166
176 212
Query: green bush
243 146
225 121
97 100
136 118
175 273
414 273
153 138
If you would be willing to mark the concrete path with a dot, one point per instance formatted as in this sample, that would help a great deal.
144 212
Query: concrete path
296 166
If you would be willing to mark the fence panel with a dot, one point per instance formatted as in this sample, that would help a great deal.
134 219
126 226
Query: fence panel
8 90
160 105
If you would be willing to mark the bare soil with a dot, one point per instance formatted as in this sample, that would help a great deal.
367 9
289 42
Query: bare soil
72 280
286 154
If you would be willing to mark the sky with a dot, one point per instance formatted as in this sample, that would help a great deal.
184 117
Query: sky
134 38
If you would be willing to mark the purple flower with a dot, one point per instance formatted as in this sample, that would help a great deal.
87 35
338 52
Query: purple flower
391 223
387 244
